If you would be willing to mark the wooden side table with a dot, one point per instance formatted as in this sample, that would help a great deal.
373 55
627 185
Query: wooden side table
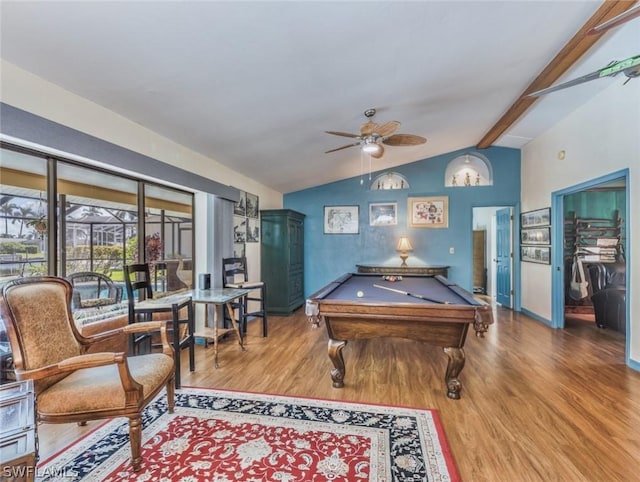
400 270
219 297
17 431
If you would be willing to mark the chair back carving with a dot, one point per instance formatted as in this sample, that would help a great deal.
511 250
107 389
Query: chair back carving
41 333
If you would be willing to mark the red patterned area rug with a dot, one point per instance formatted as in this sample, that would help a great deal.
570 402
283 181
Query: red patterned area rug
221 436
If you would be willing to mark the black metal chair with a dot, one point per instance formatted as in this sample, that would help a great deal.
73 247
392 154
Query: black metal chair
235 275
143 307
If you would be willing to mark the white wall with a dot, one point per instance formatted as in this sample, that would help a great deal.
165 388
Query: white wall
33 94
601 137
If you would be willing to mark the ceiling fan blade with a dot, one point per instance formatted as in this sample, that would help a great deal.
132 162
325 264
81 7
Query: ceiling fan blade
379 153
614 68
343 147
368 128
343 134
404 140
615 21
388 128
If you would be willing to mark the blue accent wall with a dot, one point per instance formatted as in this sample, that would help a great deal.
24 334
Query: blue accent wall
328 256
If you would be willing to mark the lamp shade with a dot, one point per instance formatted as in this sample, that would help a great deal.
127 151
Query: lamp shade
404 244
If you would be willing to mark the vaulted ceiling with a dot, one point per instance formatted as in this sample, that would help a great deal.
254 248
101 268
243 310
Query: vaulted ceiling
254 85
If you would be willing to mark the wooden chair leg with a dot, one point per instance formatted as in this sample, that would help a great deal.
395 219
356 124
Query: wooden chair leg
171 399
135 439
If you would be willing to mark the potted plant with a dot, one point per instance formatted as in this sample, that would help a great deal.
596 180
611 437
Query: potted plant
40 225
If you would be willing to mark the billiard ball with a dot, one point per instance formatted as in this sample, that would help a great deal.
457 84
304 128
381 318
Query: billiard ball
360 294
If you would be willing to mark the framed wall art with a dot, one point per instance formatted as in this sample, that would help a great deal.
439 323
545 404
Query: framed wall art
536 254
252 205
239 229
539 217
341 219
383 214
428 212
540 235
253 230
246 222
240 207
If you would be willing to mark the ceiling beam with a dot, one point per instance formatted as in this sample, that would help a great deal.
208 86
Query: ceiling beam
570 54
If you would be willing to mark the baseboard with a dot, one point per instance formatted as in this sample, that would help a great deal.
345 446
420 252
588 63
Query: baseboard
537 317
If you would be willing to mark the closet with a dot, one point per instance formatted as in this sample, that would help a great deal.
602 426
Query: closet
591 240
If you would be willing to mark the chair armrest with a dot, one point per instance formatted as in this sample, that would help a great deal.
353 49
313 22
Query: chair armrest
139 327
132 388
73 364
90 360
145 326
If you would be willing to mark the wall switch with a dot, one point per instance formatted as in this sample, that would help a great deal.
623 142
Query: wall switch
452 250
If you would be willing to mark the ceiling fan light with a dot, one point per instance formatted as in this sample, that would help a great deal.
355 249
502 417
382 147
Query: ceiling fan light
371 147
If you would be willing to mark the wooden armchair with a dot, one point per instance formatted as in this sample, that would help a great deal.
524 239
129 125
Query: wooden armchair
72 385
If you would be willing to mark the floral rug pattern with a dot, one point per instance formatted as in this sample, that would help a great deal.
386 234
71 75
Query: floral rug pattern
224 436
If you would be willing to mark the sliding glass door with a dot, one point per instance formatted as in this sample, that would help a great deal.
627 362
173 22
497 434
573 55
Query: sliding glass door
23 215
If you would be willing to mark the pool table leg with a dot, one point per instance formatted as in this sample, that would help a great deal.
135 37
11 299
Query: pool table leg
454 367
335 355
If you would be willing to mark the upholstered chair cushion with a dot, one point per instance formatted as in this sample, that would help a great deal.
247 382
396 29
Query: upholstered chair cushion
43 318
101 387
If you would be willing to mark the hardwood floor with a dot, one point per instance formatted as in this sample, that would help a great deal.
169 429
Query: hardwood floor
537 404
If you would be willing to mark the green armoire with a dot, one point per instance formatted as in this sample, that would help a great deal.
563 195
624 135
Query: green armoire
282 259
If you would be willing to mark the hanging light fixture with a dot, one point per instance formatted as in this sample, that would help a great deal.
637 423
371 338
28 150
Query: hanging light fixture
370 146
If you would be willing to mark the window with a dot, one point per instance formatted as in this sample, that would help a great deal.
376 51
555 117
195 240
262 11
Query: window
23 215
97 221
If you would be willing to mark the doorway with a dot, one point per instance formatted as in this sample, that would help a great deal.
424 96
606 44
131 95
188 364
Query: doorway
590 225
493 254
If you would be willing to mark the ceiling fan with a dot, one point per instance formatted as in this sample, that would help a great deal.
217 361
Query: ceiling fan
372 136
630 67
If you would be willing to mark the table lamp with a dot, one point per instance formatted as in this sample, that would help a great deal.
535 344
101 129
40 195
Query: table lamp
403 246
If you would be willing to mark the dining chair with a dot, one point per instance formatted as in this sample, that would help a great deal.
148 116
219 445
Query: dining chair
235 275
72 385
176 309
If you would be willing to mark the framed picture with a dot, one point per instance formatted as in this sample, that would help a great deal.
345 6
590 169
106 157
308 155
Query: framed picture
341 219
252 205
239 229
428 212
536 235
238 250
536 254
253 230
240 208
383 214
539 217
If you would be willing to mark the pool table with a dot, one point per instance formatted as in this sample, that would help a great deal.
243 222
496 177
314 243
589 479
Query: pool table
426 308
